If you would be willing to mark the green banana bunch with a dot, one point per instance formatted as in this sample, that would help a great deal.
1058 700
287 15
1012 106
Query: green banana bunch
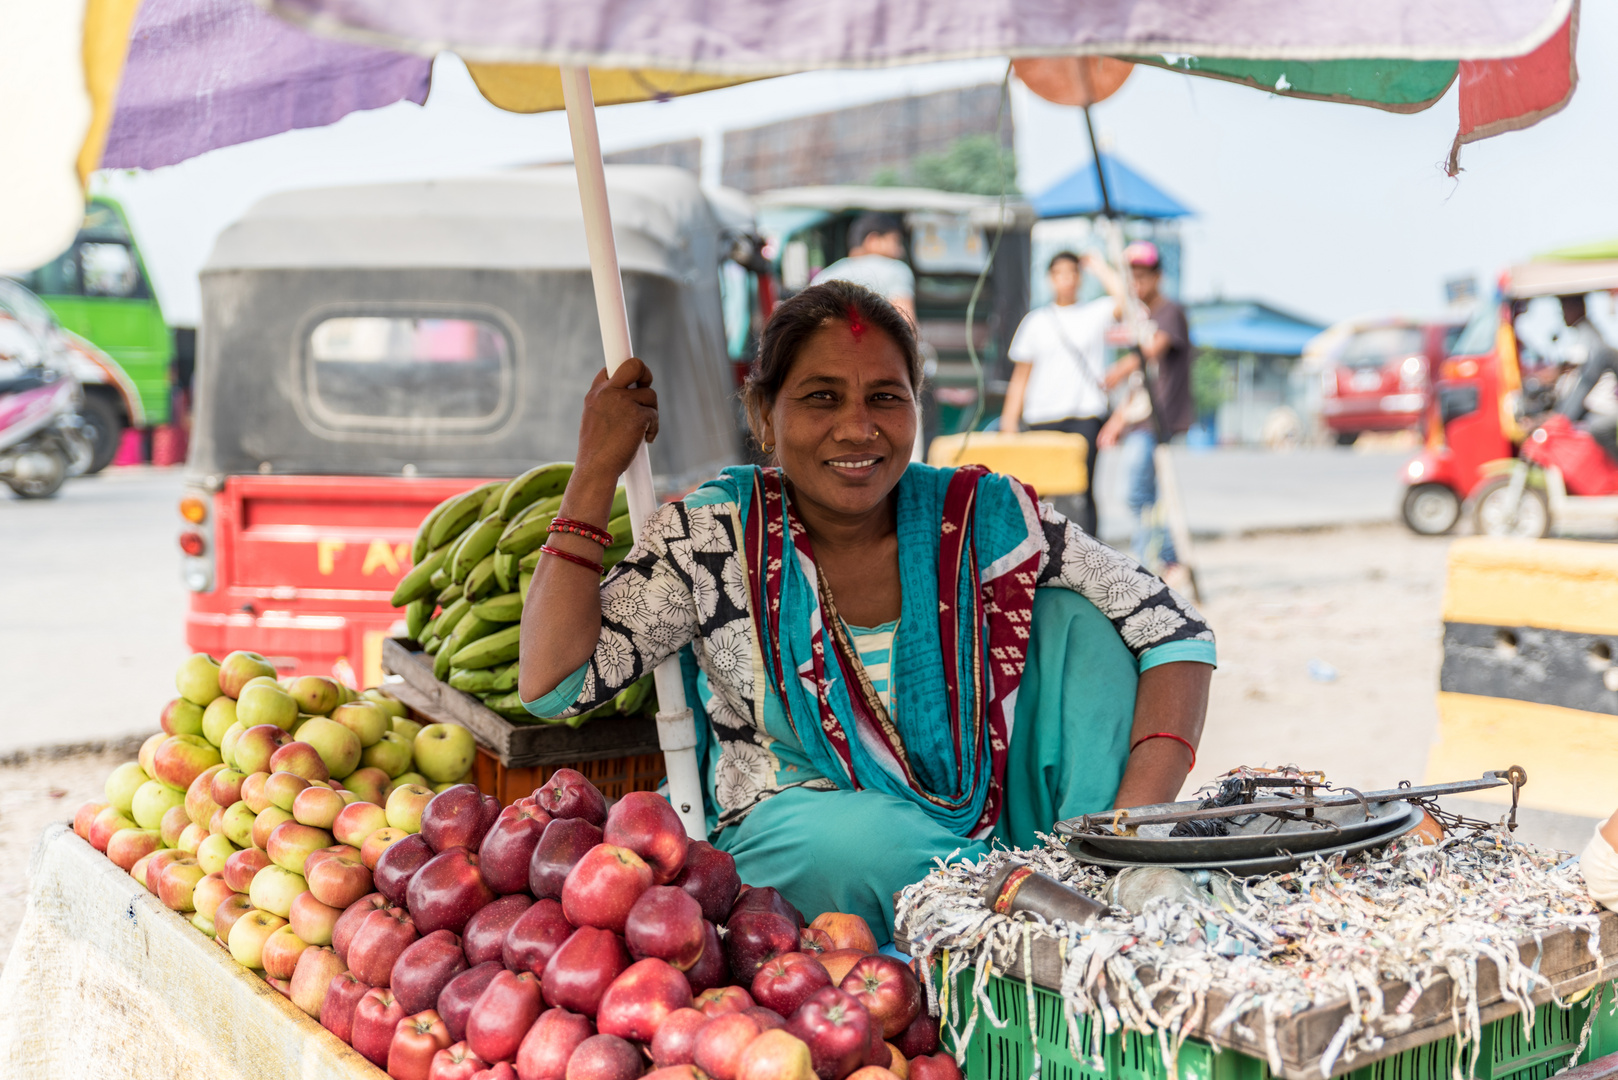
510 707
529 530
632 699
440 578
540 482
495 680
418 614
525 578
469 629
431 645
505 571
614 555
487 651
450 594
461 512
479 540
418 583
425 529
485 681
491 501
506 608
480 582
451 616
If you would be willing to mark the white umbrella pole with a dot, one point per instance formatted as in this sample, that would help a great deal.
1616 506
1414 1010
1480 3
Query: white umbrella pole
676 728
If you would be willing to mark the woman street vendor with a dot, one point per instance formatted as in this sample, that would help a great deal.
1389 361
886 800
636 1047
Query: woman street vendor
897 663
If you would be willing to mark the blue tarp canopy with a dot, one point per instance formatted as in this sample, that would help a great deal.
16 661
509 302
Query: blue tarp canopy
1247 326
1131 194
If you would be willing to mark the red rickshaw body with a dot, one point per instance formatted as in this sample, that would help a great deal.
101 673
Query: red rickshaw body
306 566
365 353
1463 429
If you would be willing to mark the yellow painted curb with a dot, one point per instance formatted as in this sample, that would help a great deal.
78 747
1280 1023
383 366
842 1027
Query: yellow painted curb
1571 756
1554 584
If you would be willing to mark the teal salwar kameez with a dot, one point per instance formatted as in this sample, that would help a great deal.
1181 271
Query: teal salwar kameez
852 850
1006 704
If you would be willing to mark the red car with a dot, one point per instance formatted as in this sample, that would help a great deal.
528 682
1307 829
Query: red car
1381 379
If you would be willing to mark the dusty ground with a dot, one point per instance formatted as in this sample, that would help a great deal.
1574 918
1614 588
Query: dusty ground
1358 607
33 793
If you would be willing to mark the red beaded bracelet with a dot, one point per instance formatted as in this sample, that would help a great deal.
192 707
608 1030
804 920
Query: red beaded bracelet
582 528
572 558
1168 735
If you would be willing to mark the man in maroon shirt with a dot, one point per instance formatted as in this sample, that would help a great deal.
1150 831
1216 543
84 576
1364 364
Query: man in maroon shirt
1167 350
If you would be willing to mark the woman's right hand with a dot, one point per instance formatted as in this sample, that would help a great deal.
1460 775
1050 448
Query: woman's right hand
620 413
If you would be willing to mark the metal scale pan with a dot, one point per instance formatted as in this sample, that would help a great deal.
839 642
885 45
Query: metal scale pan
1403 818
1260 836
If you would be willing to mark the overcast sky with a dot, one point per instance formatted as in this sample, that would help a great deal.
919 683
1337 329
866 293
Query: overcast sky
1327 210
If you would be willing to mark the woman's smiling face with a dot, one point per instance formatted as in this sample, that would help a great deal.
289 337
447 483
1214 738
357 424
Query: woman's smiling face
845 419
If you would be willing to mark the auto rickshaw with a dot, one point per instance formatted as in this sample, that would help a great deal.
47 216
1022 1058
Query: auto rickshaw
1501 371
364 352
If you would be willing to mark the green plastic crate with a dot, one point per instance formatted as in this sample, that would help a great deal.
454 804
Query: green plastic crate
1505 1052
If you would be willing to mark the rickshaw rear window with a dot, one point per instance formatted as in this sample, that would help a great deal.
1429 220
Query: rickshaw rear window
1373 348
406 368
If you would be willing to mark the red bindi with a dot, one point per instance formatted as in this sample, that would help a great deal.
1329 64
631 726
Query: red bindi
855 327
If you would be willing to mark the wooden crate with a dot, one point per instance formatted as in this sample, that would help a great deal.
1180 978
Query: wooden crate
618 754
616 777
1562 956
516 745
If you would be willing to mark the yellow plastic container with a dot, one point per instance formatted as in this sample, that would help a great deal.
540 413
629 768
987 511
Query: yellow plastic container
1051 461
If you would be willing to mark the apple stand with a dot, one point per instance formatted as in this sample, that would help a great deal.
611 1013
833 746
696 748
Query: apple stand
104 980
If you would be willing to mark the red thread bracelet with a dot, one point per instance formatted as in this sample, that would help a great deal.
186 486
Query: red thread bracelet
583 529
1168 735
579 560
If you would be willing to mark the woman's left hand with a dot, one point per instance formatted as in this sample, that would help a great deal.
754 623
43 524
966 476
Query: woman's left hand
1170 698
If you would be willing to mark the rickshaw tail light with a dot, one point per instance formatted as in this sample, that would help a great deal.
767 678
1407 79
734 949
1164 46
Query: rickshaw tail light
193 510
192 544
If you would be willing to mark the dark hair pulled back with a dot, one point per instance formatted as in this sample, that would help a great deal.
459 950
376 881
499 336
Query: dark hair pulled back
796 320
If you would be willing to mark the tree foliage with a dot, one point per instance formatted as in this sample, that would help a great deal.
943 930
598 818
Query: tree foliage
974 164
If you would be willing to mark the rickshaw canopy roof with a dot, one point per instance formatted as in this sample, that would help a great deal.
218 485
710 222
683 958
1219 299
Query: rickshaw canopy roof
448 328
1560 277
527 219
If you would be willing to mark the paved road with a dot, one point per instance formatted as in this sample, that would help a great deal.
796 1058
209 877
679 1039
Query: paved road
95 612
94 609
1234 491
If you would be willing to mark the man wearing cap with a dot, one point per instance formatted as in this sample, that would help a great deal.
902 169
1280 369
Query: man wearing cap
876 250
1059 365
1166 346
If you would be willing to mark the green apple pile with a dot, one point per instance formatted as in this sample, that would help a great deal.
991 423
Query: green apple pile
242 753
474 556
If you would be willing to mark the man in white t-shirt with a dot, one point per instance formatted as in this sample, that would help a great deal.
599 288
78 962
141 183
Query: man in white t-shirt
1059 364
876 251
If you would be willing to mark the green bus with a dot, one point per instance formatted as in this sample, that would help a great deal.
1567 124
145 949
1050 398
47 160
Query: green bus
99 289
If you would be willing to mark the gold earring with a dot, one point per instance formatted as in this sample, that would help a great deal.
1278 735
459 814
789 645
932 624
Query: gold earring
768 448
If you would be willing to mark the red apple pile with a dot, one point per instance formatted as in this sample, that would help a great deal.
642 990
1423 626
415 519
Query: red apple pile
446 938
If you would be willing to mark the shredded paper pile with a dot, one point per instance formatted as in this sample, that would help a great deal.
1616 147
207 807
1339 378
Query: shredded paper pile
1409 913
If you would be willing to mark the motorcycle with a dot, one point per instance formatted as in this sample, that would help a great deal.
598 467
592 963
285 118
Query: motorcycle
42 437
1561 478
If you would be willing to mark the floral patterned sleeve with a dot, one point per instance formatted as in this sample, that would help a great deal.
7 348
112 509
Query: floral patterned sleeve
1156 623
648 611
